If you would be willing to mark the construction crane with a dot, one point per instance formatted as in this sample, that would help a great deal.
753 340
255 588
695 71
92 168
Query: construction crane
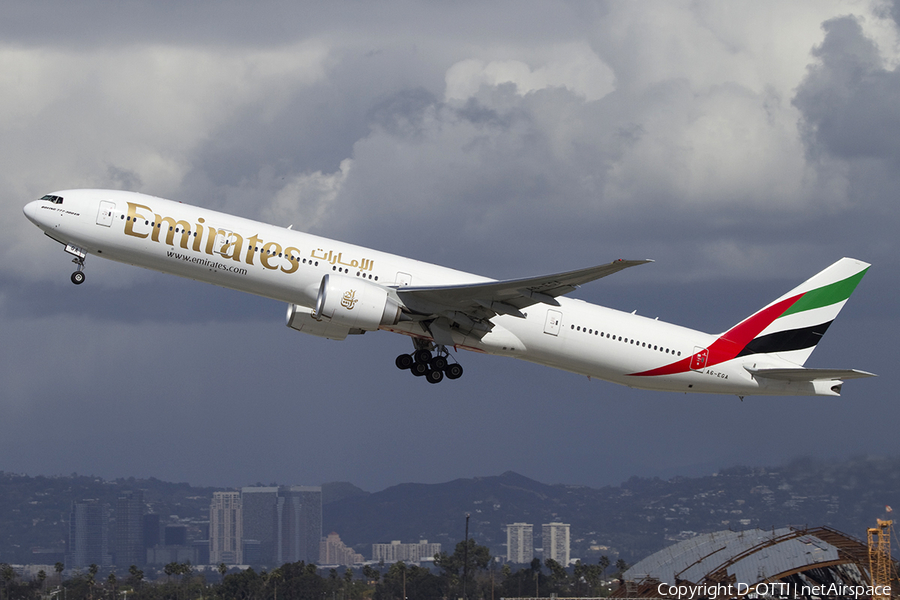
880 557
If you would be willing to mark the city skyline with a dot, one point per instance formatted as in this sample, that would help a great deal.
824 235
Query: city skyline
751 498
258 526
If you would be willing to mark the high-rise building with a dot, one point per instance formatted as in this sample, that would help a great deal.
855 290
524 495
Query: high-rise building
555 539
201 551
520 543
332 551
299 518
151 530
225 533
130 549
258 505
282 524
175 535
395 551
88 541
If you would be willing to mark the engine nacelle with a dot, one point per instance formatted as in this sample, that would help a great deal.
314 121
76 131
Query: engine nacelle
301 319
355 304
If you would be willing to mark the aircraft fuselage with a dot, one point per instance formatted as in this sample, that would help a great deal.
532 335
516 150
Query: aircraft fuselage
289 266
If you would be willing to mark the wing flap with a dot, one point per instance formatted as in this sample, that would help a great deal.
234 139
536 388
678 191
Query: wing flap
801 374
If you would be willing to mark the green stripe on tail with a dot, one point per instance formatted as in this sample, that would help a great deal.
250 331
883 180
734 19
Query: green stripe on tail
826 295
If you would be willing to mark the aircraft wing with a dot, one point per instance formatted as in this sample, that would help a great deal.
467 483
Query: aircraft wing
810 374
485 299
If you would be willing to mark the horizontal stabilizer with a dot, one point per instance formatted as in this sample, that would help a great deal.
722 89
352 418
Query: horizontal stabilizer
809 374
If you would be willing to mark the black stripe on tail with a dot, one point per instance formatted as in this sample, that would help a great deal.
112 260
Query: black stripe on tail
785 341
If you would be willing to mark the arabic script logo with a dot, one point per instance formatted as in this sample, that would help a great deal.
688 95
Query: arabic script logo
349 299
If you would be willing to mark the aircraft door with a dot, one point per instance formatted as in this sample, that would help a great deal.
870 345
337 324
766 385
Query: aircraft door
105 213
223 242
403 278
553 322
698 360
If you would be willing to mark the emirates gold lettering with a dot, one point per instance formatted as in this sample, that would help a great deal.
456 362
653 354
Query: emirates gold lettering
170 225
211 234
293 256
232 246
199 236
133 217
272 255
270 251
251 248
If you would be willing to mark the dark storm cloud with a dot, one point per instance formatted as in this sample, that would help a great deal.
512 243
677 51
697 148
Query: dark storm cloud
851 126
848 101
543 173
507 139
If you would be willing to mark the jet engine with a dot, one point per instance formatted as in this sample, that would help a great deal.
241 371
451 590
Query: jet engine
301 319
354 303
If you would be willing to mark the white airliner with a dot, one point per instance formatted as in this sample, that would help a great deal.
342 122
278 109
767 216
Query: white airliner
334 289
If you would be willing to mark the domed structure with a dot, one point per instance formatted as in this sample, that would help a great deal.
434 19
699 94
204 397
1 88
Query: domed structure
797 563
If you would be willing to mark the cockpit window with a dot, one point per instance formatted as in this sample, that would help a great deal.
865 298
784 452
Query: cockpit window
53 199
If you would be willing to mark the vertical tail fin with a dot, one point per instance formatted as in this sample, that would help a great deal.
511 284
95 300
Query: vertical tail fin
792 325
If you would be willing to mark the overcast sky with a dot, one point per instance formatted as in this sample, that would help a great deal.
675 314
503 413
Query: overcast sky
744 146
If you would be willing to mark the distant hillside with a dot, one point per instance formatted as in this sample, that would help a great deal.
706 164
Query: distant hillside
630 520
332 492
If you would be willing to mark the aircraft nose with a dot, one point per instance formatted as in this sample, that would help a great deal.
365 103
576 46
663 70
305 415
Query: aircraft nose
31 210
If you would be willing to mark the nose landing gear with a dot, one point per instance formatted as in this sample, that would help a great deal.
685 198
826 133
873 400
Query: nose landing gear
79 254
434 368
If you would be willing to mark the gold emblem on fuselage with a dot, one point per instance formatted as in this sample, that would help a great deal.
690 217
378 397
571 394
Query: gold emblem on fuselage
349 299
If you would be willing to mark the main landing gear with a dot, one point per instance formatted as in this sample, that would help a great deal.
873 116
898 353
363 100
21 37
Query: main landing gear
79 254
433 368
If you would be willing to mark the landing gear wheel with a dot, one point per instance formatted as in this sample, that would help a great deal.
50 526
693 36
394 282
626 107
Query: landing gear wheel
453 371
434 376
422 356
418 369
439 363
78 277
404 361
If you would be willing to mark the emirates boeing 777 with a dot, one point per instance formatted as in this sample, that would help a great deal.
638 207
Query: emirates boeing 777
335 289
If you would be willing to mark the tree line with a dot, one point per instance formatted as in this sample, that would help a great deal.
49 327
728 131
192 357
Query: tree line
469 572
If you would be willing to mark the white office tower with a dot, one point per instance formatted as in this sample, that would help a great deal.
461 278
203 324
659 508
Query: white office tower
225 531
555 538
520 543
